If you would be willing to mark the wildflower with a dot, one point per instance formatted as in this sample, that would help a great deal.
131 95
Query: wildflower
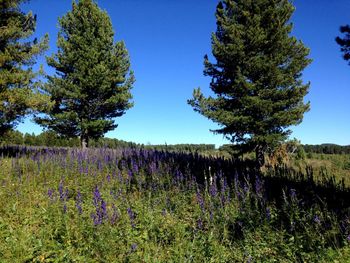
100 206
199 223
200 201
133 247
258 186
60 190
78 203
97 196
50 193
317 219
293 193
131 217
213 189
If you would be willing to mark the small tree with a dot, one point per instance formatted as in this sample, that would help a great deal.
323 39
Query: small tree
92 82
257 76
19 94
345 42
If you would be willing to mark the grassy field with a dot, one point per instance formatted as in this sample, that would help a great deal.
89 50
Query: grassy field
134 205
324 166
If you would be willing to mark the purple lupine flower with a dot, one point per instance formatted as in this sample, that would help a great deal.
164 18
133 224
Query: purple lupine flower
258 186
200 201
250 259
135 167
78 202
97 196
108 178
99 165
133 248
131 217
317 220
100 206
50 193
200 224
293 193
61 191
213 190
348 238
103 210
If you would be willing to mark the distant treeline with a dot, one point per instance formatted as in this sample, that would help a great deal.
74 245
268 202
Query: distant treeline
183 147
50 139
327 149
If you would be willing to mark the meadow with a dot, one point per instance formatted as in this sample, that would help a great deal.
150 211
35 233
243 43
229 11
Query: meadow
142 205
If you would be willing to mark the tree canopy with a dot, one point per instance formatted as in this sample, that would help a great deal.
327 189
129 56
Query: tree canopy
257 75
92 83
19 90
345 42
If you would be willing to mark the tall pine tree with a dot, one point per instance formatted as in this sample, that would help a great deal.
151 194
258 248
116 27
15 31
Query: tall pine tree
93 81
19 93
345 42
257 75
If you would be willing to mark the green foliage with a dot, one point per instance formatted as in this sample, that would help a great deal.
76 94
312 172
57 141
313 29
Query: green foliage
19 91
11 137
93 80
257 74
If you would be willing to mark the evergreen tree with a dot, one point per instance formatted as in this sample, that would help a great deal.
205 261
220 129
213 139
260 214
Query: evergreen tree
93 81
257 76
345 42
19 93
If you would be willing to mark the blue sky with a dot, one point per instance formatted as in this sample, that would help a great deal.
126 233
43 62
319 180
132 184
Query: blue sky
167 40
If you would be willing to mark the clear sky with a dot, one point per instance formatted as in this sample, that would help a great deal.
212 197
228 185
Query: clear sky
167 40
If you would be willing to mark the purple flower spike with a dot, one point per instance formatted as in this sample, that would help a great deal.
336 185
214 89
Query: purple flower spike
133 248
78 203
131 216
50 193
317 219
200 201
